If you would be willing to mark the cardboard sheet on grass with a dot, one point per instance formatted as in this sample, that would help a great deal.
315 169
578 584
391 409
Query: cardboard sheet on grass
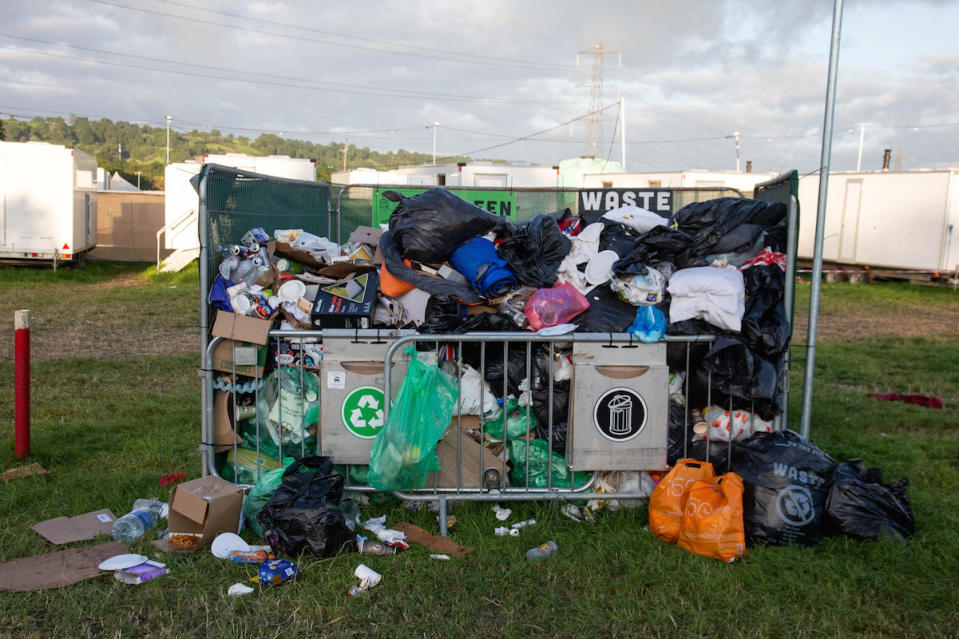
204 508
57 569
66 530
445 545
23 471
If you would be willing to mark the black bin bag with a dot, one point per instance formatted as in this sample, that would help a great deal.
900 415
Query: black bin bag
786 484
304 514
428 227
861 506
535 251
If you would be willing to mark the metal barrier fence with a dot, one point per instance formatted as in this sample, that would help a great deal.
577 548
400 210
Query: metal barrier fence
233 201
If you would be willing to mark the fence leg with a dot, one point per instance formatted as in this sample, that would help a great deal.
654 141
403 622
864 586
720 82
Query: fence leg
444 529
21 326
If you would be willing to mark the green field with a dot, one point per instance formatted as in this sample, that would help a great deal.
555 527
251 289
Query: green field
108 427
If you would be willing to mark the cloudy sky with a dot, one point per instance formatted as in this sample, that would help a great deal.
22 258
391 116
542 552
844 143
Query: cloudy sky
501 77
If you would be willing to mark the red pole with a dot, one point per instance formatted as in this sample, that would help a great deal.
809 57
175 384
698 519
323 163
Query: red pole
21 385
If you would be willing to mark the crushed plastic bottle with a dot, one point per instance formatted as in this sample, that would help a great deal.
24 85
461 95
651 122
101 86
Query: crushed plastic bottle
144 516
542 551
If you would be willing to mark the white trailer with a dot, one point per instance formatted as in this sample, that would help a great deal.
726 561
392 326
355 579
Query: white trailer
888 219
744 182
48 202
181 204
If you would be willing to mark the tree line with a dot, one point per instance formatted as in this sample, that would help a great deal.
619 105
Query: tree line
127 147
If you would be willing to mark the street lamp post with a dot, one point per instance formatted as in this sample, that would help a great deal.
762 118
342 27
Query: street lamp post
435 124
735 136
168 119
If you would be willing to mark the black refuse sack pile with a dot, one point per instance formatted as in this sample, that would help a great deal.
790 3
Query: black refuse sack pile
796 494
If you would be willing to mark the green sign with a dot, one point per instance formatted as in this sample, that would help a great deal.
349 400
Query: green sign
496 202
362 411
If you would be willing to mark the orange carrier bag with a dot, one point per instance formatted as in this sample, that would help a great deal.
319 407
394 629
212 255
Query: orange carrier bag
712 522
668 500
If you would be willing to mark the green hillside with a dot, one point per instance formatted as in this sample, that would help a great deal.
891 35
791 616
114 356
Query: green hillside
128 148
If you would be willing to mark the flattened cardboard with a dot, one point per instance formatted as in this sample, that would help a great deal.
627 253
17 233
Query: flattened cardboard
303 257
223 358
417 535
23 471
346 270
366 235
66 530
57 569
208 505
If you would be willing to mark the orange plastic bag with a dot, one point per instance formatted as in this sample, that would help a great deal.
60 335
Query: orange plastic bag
668 500
712 522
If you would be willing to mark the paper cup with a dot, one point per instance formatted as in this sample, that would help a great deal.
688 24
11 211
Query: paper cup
367 576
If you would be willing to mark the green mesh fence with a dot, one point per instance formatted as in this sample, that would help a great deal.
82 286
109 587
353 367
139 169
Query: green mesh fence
237 201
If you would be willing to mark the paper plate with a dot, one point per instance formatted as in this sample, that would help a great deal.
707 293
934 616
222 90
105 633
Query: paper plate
600 268
291 290
227 542
119 562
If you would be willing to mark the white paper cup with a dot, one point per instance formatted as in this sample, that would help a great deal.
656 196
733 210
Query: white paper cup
367 576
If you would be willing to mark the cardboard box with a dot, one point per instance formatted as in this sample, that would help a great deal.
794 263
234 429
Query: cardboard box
366 235
248 335
347 304
207 506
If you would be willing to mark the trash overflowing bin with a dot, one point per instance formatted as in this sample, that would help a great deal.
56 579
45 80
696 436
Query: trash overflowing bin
586 343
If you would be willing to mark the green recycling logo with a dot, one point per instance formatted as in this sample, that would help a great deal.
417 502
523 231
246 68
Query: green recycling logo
362 412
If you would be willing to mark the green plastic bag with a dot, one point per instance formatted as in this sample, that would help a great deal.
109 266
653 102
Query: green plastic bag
541 461
516 423
260 494
404 451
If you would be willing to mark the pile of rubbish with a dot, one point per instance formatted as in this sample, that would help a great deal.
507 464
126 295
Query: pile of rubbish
446 266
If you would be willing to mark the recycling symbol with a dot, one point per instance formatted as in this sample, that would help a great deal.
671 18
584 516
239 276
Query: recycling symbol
362 412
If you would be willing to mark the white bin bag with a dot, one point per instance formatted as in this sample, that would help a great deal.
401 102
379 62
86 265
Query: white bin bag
714 294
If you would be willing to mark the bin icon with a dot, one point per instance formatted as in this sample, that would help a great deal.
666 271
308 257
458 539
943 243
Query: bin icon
620 415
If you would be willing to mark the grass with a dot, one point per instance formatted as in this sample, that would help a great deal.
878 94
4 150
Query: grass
108 428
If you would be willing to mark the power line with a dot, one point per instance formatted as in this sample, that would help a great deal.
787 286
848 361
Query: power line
313 40
552 128
546 65
333 86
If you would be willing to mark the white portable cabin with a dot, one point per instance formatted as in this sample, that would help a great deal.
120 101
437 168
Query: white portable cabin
480 174
678 179
888 219
48 201
182 202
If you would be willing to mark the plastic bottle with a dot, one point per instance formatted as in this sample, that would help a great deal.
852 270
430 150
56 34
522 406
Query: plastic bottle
542 551
144 516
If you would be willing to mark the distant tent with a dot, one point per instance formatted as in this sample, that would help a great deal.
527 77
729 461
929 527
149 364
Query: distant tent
117 183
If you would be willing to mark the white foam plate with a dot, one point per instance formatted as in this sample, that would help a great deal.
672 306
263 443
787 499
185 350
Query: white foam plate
227 542
291 290
600 268
119 562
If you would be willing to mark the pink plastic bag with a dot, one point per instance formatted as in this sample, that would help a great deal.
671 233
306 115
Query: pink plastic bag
557 305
